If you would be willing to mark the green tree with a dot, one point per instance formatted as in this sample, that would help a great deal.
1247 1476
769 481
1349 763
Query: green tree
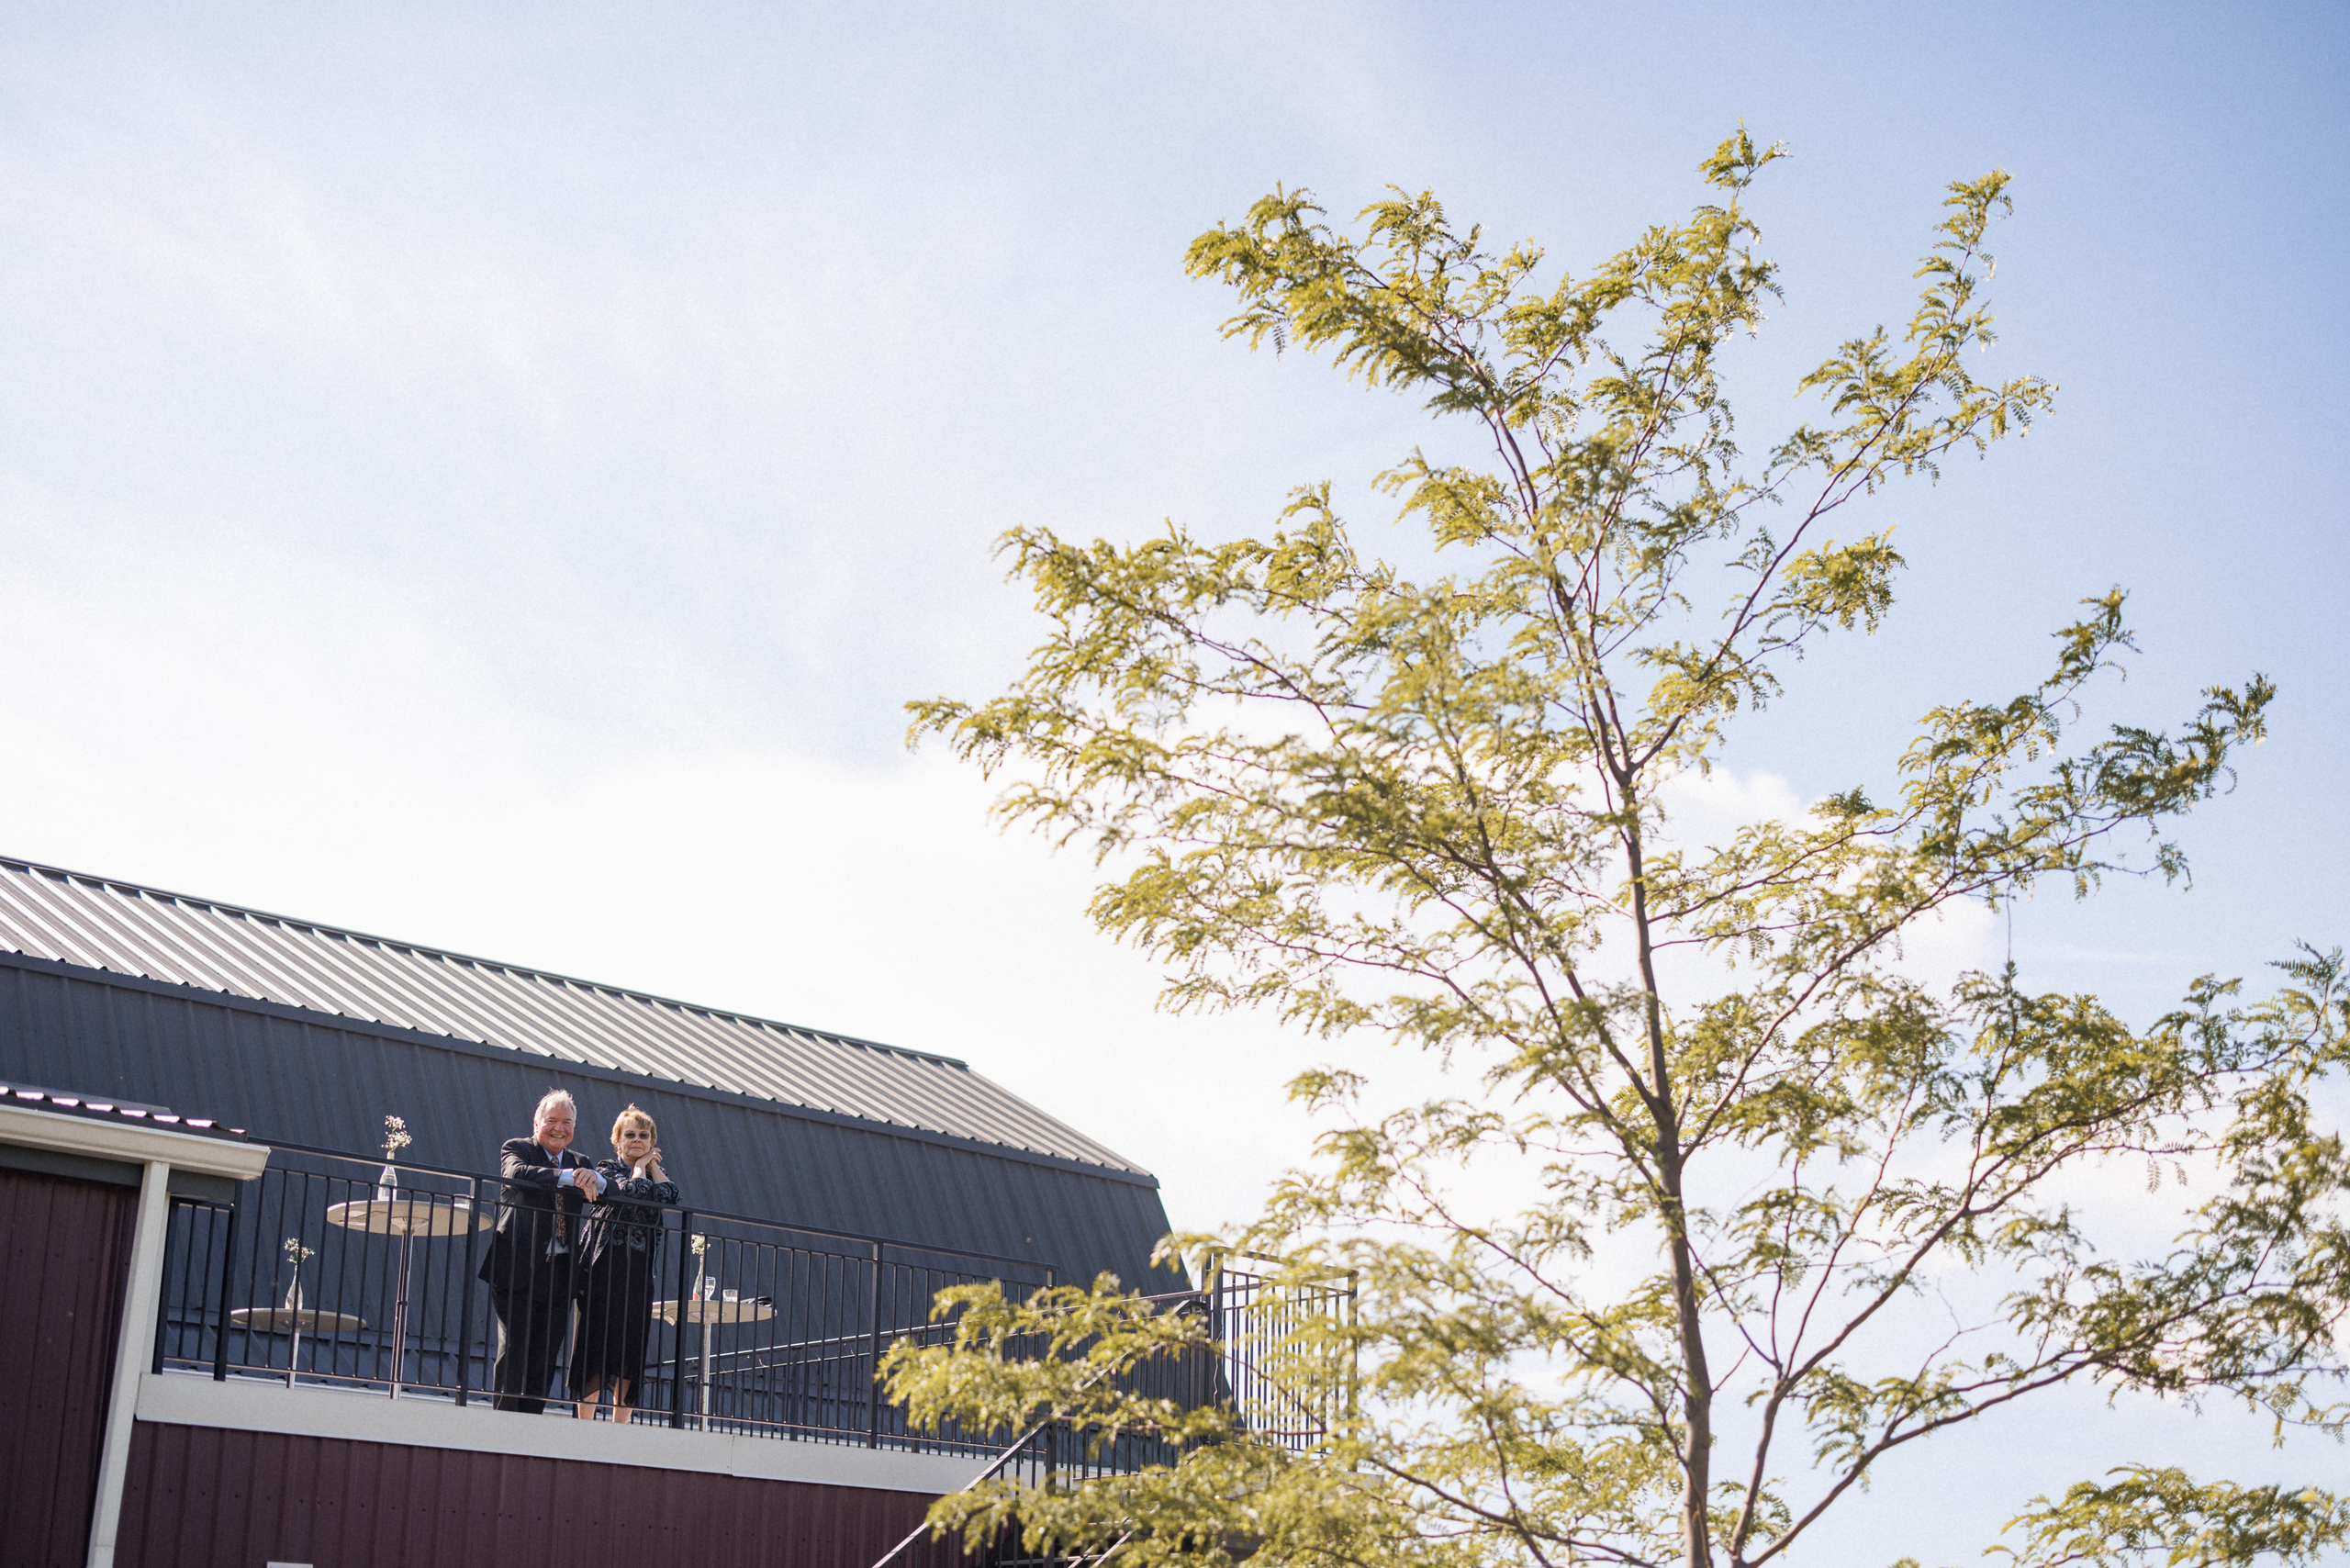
1432 807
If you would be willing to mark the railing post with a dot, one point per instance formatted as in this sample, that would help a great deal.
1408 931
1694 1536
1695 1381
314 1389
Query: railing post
465 1282
162 1305
873 1355
678 1348
1354 1357
228 1272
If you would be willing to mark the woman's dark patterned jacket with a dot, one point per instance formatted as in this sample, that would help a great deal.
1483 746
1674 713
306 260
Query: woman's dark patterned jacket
616 1225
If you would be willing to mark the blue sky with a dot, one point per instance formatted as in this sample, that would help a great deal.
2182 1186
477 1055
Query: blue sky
491 475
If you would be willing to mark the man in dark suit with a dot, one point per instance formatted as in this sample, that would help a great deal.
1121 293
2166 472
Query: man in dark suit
529 1269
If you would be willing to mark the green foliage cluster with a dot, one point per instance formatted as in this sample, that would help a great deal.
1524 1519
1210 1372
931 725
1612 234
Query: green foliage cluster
1433 807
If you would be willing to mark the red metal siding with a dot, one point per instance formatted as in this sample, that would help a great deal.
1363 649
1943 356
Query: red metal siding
198 1498
66 1248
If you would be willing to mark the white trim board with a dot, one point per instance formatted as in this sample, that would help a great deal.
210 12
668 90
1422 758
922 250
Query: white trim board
140 1298
246 1404
115 1139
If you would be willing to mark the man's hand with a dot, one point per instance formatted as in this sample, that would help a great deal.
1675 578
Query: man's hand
590 1185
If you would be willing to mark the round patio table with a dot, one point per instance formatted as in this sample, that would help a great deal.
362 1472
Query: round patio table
706 1314
407 1215
296 1321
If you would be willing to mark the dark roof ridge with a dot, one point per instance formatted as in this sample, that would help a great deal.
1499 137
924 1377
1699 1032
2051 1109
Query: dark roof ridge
141 890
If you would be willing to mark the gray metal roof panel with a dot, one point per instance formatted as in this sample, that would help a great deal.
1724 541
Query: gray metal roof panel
294 1074
101 923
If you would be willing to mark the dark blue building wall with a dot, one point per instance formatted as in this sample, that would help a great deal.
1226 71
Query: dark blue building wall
290 1075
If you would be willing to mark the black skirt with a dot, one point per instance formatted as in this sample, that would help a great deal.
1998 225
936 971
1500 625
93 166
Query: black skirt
615 1315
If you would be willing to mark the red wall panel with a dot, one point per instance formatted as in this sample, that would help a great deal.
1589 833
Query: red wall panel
198 1497
65 1245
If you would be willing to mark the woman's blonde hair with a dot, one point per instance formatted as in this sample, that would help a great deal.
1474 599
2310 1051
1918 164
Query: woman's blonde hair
634 1114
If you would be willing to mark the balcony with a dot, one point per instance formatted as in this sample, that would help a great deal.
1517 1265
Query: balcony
761 1339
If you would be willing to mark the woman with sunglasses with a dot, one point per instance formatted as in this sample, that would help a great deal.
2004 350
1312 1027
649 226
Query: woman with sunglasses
621 1246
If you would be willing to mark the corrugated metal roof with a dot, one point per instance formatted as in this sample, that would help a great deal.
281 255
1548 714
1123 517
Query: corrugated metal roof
100 923
298 1078
64 1103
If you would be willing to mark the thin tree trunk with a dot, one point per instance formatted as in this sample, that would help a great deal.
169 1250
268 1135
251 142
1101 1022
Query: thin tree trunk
1697 1383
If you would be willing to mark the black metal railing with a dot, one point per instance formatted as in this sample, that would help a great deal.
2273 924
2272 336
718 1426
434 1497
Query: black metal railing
1267 1356
323 1273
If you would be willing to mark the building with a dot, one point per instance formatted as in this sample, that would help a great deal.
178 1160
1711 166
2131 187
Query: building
249 1344
309 1037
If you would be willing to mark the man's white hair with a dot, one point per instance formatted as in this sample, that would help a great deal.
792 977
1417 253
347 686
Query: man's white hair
555 1097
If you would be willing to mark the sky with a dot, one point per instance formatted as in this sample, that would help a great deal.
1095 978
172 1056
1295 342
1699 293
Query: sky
492 475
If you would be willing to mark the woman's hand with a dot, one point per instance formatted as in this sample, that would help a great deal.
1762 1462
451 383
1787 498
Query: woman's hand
652 1166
